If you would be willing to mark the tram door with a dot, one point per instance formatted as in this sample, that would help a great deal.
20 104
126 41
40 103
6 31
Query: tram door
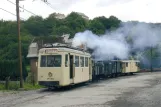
71 67
90 68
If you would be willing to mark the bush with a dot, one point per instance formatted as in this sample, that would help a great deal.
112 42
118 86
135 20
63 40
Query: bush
29 78
14 85
2 86
10 68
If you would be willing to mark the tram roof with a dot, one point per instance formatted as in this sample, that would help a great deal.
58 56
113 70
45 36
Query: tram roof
127 60
64 49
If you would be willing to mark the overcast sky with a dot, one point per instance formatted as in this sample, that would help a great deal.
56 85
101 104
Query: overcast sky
126 10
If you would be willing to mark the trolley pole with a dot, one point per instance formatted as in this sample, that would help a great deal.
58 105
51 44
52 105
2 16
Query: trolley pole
19 42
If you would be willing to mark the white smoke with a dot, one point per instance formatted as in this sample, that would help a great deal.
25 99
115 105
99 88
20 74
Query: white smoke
105 47
143 35
116 43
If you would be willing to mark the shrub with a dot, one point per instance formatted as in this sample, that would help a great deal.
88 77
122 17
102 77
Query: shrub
10 68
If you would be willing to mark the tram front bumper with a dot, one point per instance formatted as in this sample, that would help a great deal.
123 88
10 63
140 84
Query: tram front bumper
49 83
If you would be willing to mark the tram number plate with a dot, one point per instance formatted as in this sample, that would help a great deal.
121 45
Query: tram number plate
50 51
50 78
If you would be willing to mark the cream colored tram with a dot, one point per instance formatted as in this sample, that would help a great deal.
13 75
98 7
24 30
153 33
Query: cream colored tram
62 66
130 66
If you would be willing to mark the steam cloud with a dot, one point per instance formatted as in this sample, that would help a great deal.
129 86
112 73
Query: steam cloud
121 42
104 46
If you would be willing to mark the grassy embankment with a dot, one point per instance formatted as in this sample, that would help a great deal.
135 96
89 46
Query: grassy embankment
15 85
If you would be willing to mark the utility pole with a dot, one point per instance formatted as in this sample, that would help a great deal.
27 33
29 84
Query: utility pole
151 52
19 42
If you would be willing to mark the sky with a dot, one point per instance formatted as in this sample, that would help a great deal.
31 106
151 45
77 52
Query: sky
125 10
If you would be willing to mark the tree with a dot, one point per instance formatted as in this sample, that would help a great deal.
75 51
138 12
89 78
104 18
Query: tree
52 23
96 27
76 23
47 30
114 22
35 25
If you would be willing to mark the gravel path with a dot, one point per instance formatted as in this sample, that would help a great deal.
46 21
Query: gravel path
149 96
141 90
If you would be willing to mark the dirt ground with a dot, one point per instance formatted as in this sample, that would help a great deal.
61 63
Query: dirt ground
140 90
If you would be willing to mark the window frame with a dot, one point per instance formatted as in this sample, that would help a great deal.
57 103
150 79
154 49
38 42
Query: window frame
46 60
86 62
66 60
82 64
136 63
41 61
77 64
126 64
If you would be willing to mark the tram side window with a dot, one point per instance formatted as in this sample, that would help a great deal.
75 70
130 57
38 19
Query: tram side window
51 61
86 62
82 61
43 61
66 60
54 61
126 64
76 61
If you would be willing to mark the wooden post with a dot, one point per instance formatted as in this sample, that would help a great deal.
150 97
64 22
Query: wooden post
7 83
19 43
151 51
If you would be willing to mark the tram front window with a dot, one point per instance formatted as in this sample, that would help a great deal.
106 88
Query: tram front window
51 61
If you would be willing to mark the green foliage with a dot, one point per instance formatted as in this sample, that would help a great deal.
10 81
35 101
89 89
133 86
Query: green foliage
28 86
97 27
103 23
46 30
35 26
2 86
10 68
29 78
15 85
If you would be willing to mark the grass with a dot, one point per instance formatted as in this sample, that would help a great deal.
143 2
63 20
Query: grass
2 87
15 85
28 86
28 68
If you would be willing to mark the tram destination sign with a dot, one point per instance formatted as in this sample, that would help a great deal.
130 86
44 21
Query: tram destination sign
48 51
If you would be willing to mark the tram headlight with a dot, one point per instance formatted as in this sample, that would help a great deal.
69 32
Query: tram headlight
50 74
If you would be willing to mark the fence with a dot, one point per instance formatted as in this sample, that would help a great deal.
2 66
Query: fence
154 63
10 68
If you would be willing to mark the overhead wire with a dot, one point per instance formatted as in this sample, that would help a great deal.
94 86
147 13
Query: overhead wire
46 2
10 13
49 4
22 8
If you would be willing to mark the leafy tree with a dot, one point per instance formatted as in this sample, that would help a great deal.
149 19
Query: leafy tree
52 23
35 25
96 26
76 23
114 22
47 30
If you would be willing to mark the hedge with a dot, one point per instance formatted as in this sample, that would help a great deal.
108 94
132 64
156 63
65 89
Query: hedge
10 68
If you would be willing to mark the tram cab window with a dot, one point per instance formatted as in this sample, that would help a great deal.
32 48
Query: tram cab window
66 60
76 61
82 61
43 61
86 62
51 61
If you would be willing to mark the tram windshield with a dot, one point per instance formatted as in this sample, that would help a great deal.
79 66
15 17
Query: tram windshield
50 61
